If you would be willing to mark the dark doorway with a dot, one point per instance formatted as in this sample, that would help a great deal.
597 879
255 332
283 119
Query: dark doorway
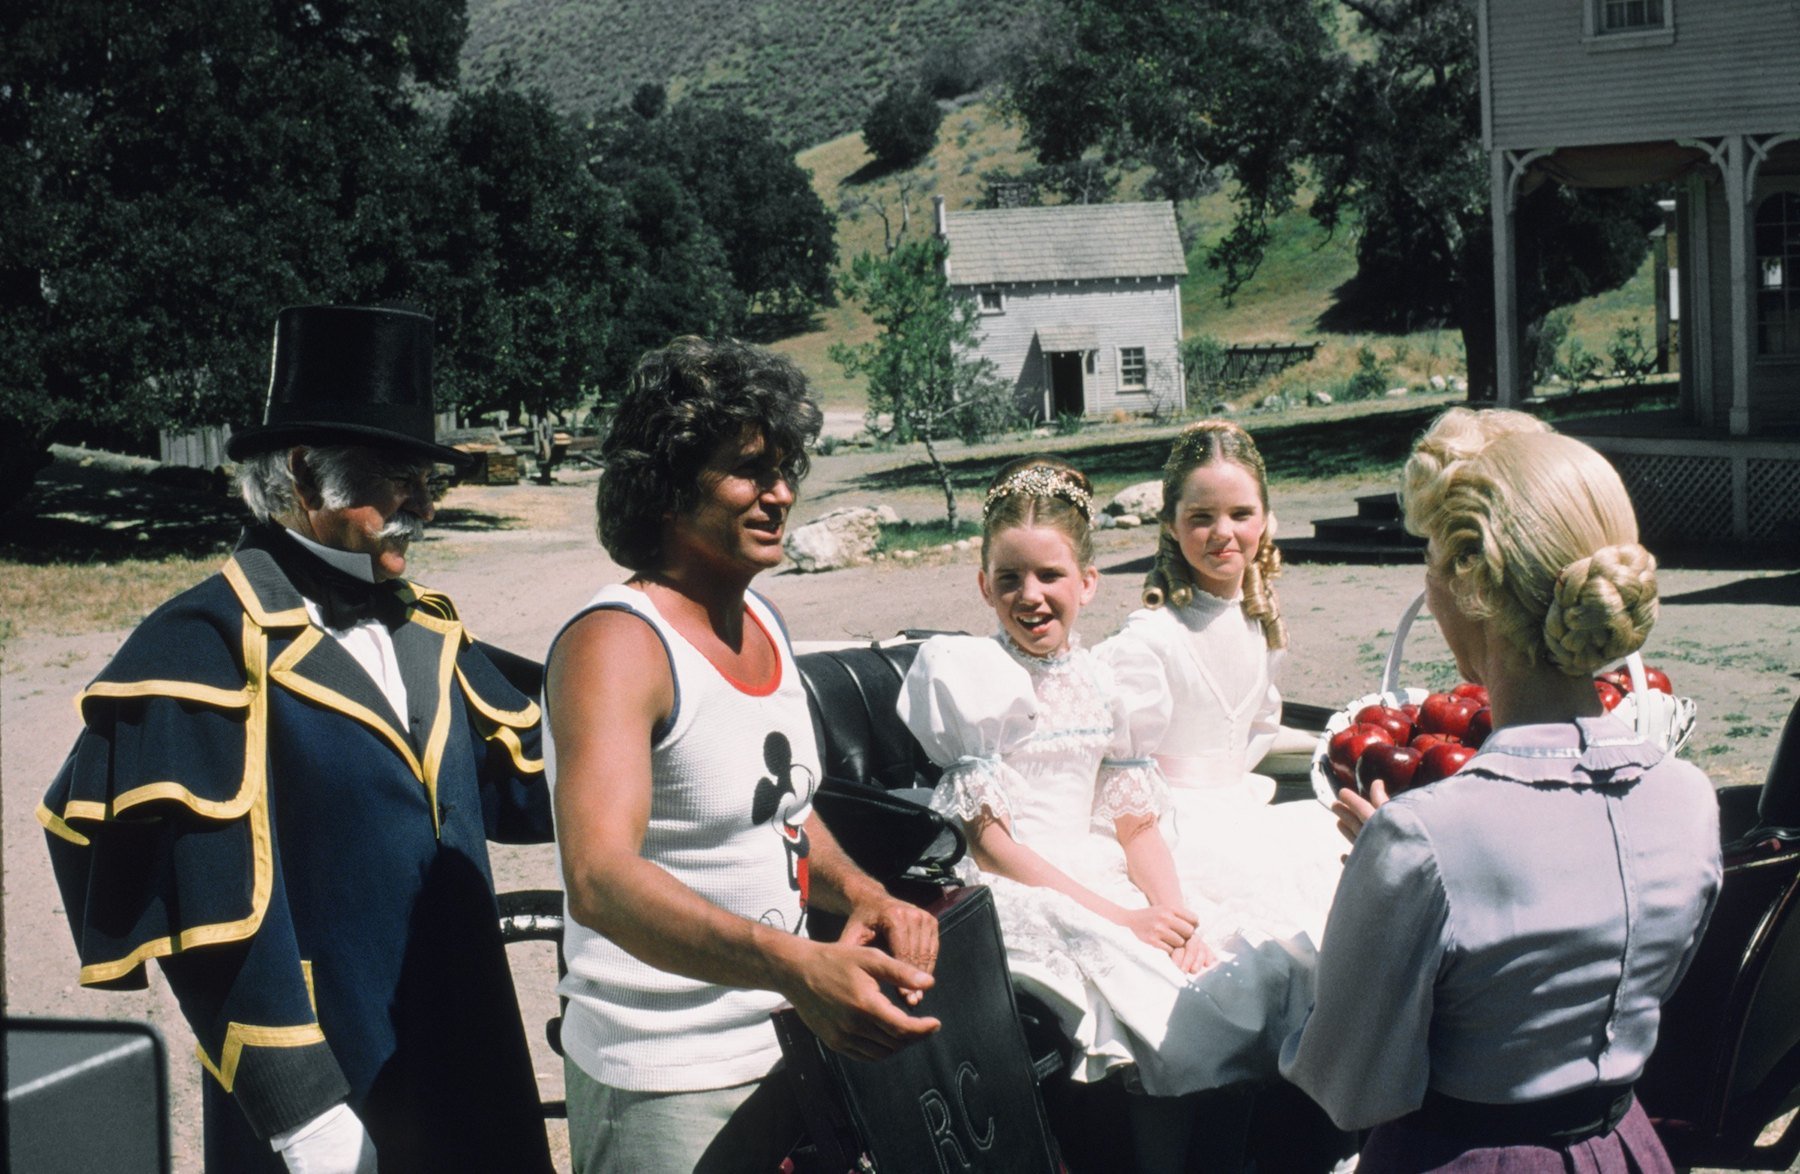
1067 395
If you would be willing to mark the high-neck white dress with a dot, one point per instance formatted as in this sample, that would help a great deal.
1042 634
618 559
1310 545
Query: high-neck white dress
1054 748
1274 867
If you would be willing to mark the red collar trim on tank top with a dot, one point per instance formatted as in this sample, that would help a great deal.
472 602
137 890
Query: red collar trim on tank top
744 686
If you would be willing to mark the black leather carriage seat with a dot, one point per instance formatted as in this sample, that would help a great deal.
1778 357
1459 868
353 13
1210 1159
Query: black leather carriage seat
1727 1059
852 692
1779 804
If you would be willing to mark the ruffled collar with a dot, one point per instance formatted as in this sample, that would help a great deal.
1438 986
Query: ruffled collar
1204 602
1060 660
1588 751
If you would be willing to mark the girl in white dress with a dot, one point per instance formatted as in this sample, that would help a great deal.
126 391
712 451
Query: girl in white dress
1044 767
1210 635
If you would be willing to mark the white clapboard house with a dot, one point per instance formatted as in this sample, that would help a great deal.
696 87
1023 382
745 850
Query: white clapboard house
1704 94
1080 304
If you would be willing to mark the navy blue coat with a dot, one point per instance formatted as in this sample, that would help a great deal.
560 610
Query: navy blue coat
244 805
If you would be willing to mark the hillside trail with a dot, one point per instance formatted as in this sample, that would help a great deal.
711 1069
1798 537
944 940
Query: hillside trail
519 560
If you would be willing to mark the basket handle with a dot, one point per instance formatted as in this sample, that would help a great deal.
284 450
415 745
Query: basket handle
1640 685
1390 672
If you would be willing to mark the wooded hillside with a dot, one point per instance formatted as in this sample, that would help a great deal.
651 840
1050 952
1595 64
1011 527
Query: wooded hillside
812 67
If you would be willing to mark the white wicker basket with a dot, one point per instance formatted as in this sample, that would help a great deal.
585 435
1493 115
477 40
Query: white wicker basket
1663 719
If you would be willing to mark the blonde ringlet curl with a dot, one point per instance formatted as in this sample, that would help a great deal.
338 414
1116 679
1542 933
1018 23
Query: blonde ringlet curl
1170 579
1532 532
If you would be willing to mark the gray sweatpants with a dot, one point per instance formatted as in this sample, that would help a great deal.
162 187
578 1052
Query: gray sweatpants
747 1127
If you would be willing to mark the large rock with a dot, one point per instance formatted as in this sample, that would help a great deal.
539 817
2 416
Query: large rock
1142 501
833 540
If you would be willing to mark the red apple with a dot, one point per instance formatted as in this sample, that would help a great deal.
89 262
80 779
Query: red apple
1480 726
1394 766
1476 693
1424 742
1617 678
1441 761
1347 746
1411 710
1609 695
1442 713
1657 679
1388 718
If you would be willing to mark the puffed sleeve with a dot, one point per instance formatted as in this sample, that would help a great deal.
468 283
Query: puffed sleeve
1137 690
1363 1055
969 704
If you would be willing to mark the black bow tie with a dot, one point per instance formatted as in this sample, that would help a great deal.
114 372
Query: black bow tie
345 601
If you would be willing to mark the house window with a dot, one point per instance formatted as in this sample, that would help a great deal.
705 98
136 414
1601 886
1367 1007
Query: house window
1631 16
1628 24
1778 275
1132 368
992 302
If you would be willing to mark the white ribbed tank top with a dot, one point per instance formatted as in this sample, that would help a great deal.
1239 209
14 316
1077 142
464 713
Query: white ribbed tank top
732 775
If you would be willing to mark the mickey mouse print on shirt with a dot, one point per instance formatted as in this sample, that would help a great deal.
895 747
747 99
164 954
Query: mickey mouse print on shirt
783 798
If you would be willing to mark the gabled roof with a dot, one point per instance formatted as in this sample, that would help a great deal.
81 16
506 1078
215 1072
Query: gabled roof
1070 242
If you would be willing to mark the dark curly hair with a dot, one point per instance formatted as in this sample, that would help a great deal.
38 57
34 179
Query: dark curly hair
683 402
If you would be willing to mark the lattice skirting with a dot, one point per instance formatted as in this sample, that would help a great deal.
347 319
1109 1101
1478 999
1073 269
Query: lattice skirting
1684 499
1773 489
1678 498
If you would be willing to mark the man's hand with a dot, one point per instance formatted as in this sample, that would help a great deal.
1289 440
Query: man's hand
837 992
903 929
1353 810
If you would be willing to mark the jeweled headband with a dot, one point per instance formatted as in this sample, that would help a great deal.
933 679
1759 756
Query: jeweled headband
1042 481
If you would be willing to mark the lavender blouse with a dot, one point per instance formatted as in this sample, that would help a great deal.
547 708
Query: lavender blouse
1511 933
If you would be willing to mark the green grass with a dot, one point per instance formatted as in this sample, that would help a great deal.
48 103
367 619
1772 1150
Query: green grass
923 535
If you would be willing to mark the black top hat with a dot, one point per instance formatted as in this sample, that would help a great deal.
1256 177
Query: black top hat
349 375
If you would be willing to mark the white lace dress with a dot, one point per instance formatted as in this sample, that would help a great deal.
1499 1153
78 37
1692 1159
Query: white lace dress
1272 867
1050 747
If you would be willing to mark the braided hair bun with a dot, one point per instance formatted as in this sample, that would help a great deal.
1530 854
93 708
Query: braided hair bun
1602 609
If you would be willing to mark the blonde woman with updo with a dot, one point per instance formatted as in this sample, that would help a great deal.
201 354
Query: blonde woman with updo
1503 940
1044 766
1210 634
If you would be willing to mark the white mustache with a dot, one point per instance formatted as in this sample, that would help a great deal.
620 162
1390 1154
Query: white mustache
402 527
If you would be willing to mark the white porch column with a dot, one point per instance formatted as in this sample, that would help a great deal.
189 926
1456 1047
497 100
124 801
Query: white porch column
1506 283
1737 199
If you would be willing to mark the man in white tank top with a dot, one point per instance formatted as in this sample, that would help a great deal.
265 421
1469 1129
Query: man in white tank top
683 765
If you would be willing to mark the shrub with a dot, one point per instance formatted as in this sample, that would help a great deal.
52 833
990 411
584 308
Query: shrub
901 128
1203 358
1371 378
1579 365
1069 423
1632 358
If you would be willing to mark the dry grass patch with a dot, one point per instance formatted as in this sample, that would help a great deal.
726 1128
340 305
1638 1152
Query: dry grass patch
63 599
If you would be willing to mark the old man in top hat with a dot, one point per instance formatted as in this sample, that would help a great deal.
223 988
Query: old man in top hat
284 789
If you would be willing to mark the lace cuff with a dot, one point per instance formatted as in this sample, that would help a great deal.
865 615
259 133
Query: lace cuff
971 786
1130 786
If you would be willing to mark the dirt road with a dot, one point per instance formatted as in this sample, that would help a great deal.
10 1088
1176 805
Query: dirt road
519 560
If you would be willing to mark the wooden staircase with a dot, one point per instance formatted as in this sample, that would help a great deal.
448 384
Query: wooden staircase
1374 535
